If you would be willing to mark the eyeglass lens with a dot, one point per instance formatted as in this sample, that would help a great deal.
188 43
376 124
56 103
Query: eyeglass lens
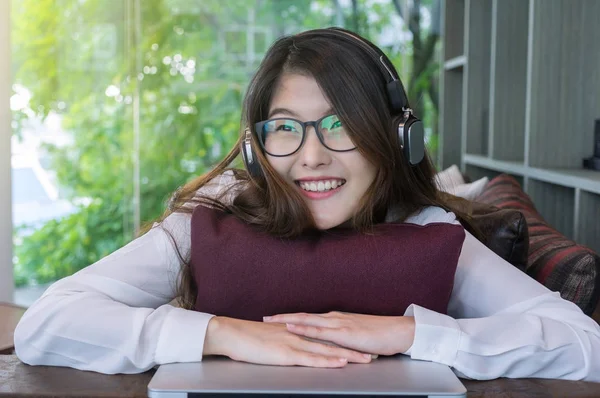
283 136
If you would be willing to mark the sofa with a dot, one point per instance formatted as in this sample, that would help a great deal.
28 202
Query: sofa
515 230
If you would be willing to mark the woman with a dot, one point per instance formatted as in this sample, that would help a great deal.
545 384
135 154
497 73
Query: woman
329 146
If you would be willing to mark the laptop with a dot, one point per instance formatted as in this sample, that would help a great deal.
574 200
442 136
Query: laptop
221 377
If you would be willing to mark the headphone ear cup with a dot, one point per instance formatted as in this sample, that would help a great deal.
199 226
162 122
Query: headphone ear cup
250 160
413 140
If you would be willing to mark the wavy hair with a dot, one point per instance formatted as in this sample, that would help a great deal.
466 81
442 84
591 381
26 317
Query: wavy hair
353 81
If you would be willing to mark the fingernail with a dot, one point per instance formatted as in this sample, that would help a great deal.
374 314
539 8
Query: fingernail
266 318
290 325
343 360
367 356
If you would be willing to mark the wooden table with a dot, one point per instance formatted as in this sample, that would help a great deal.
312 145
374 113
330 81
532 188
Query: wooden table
9 317
20 380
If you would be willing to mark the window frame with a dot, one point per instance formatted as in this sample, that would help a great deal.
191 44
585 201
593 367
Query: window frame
6 225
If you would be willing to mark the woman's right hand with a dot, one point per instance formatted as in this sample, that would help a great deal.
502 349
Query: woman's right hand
272 344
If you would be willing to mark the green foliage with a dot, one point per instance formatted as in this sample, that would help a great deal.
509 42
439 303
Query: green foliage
65 246
165 89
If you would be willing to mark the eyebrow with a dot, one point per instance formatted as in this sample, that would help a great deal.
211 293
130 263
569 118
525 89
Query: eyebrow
289 112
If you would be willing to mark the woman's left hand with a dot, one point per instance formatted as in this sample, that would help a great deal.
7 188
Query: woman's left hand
380 335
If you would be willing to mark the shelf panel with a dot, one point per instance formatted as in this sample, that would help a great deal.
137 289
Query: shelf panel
477 74
455 63
503 166
588 228
477 172
587 180
564 82
508 79
451 118
453 27
555 203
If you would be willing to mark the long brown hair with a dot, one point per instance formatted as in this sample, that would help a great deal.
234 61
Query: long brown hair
352 80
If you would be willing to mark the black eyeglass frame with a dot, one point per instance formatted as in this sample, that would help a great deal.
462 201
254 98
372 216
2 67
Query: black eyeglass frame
314 123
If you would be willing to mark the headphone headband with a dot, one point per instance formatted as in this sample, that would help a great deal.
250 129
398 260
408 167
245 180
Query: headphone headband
411 134
397 97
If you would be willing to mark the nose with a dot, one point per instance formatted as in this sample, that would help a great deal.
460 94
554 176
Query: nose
313 154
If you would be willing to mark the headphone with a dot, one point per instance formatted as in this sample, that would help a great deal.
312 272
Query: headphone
411 133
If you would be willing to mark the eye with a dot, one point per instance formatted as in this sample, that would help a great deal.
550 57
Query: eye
336 124
286 127
332 122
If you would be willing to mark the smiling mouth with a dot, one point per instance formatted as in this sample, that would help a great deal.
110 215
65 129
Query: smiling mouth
321 185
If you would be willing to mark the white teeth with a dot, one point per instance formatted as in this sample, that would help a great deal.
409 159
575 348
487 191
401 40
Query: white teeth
321 186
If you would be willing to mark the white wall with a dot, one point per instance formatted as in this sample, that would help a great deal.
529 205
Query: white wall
6 267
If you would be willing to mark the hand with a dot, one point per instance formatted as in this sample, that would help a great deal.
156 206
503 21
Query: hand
379 335
272 344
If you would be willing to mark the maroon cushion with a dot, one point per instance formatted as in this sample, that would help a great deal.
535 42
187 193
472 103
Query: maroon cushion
243 273
554 260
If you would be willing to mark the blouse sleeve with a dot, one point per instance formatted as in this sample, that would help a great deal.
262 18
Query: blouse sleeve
114 316
503 323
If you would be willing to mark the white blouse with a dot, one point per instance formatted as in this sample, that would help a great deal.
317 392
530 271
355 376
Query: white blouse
114 316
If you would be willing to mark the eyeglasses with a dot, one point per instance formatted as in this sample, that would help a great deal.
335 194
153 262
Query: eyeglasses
285 136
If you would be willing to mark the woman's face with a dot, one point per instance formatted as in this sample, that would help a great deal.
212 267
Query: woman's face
331 183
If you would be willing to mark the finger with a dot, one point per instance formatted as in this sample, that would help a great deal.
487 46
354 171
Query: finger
335 335
337 352
303 319
319 361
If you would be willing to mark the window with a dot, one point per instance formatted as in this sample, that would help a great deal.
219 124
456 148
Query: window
115 107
